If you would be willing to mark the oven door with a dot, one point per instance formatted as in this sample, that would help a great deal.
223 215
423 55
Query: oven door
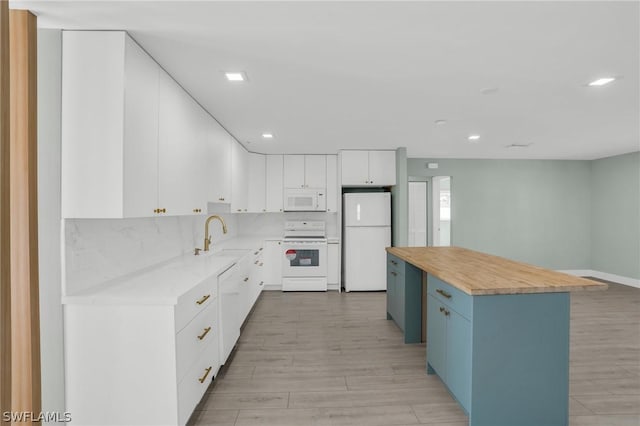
304 259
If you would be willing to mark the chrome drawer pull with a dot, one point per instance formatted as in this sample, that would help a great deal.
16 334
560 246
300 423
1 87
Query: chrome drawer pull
443 310
394 262
444 293
203 378
394 273
206 330
204 299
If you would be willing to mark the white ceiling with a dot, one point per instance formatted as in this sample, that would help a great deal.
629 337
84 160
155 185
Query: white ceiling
325 76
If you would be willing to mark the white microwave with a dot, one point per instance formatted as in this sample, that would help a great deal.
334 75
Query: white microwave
305 200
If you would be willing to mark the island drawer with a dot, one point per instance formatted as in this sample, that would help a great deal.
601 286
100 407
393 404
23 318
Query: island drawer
395 264
195 301
447 294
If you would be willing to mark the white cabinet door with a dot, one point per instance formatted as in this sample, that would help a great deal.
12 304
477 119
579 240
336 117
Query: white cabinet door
274 178
140 132
273 263
333 263
257 183
382 168
294 171
93 68
175 148
239 178
199 176
315 171
355 168
332 183
219 163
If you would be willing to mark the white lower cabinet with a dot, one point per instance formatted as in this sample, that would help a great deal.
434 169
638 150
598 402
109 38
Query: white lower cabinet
256 278
273 255
141 364
333 265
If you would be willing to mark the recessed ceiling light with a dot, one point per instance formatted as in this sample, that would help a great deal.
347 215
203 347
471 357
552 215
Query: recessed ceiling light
519 145
601 81
440 122
267 135
489 91
474 138
235 76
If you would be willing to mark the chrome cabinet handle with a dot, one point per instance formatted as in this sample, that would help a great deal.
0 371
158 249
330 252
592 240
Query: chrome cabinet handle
444 311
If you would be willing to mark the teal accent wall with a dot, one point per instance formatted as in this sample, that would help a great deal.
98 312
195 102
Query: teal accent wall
615 207
534 211
399 201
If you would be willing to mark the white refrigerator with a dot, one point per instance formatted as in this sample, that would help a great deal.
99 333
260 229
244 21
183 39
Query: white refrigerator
366 233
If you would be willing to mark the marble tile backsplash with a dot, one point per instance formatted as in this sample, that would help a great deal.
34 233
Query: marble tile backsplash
99 250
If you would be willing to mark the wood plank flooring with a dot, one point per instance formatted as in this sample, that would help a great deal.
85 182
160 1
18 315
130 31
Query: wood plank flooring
334 359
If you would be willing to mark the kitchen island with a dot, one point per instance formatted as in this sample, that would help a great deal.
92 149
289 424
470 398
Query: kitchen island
497 330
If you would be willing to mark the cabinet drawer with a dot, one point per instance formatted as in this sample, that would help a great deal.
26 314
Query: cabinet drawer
395 264
447 294
195 337
195 301
196 381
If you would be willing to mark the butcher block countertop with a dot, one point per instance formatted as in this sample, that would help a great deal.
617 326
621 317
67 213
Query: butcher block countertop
478 273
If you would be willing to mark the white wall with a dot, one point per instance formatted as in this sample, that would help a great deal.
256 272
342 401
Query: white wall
49 243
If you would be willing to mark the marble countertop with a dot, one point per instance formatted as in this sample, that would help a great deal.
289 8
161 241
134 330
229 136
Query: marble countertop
164 283
478 273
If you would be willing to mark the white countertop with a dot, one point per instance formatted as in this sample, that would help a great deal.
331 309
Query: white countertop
163 284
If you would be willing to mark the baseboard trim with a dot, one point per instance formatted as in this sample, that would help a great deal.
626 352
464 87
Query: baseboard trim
631 282
273 287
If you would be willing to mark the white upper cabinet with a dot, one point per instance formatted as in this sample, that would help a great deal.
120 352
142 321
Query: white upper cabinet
368 168
218 163
180 137
257 183
102 123
134 143
315 171
382 168
332 183
305 171
355 167
294 171
140 140
239 180
274 183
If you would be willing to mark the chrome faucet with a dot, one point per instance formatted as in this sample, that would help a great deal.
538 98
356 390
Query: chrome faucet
207 237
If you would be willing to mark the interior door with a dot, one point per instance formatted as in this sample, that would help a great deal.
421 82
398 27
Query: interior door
418 195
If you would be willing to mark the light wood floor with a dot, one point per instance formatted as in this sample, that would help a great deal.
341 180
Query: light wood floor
334 359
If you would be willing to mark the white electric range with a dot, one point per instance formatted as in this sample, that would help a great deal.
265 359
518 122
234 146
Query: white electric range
304 256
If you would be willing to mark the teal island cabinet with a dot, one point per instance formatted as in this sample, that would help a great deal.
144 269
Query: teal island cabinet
497 332
404 287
